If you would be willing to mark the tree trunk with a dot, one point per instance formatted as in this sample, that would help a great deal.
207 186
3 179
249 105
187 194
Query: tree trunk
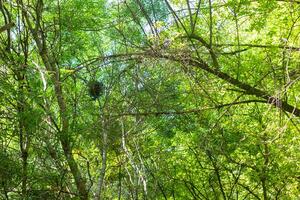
98 195
50 65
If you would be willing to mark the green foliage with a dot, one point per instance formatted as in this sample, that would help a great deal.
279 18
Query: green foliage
195 103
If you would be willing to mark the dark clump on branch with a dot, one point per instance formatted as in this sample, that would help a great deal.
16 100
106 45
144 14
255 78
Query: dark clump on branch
96 89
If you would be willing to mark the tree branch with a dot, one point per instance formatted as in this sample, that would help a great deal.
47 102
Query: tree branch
191 111
6 27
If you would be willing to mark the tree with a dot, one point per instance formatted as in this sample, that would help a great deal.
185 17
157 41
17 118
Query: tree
199 101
